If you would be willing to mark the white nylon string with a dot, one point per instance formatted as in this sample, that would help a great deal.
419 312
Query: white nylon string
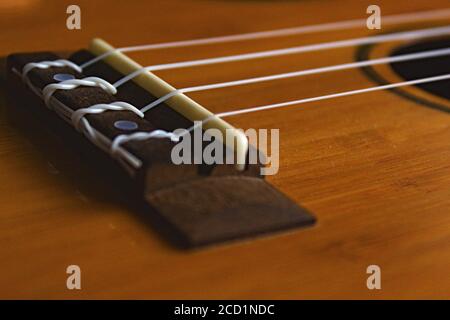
48 64
340 25
359 64
324 97
435 14
431 32
174 137
155 134
71 84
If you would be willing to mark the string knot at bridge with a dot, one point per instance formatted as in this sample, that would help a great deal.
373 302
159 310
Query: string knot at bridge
48 64
156 134
50 89
80 123
83 125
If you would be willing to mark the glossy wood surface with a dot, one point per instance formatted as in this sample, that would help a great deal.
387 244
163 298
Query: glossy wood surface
373 168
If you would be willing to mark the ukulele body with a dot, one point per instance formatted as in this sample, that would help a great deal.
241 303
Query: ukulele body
373 168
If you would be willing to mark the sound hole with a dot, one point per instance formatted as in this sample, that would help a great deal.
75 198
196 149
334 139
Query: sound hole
410 70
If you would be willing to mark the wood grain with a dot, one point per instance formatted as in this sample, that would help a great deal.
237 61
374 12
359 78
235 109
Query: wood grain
374 169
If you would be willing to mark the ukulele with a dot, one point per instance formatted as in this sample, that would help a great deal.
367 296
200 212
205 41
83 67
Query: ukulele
329 138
